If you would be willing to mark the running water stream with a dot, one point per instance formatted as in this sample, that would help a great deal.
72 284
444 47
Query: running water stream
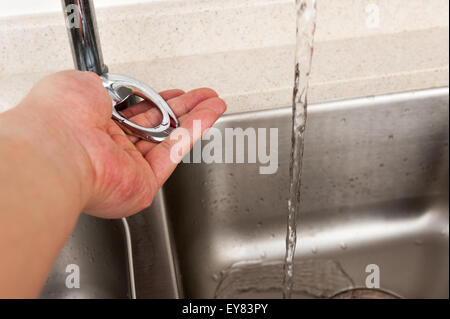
306 25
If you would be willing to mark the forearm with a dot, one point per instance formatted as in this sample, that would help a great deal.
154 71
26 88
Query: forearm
61 153
41 196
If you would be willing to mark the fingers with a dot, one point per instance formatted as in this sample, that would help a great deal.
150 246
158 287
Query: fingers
144 147
215 104
180 105
119 137
145 105
186 102
204 114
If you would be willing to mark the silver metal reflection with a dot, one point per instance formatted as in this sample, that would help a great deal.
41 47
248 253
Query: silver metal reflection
87 55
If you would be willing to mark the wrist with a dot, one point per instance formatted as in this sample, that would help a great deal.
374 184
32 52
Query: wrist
50 143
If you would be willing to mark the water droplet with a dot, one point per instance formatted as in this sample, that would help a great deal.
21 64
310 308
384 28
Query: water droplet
391 136
314 250
343 246
215 277
259 224
418 242
445 231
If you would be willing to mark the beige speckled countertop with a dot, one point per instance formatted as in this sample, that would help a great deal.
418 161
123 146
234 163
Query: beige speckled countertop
243 48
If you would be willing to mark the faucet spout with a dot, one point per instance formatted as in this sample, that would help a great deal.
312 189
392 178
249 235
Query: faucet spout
83 35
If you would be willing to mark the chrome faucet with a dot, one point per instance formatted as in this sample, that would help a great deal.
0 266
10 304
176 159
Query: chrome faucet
87 55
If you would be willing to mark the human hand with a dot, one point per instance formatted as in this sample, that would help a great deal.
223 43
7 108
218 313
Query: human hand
119 175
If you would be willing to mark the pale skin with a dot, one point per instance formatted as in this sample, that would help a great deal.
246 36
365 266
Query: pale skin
61 154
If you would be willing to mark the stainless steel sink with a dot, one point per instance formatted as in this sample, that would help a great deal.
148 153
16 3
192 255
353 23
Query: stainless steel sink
100 248
375 192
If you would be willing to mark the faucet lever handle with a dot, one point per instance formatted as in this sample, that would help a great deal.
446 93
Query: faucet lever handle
120 88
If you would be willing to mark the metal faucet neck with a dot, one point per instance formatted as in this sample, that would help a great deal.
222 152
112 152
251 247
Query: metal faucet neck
83 35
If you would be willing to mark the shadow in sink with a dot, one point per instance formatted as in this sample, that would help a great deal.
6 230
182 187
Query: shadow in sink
99 250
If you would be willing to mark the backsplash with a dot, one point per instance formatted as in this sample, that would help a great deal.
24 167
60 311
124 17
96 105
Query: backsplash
242 48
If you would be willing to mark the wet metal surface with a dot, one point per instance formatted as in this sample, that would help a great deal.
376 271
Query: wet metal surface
375 191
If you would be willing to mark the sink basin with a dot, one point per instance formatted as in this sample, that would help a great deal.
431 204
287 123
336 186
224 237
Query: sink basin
374 202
